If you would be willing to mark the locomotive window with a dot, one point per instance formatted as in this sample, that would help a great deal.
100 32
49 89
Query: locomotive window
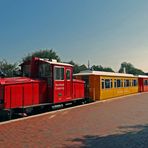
44 70
59 73
27 70
67 74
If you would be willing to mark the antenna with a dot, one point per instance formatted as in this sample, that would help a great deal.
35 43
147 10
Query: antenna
88 64
124 70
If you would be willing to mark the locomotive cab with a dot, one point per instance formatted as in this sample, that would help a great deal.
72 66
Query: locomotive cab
58 76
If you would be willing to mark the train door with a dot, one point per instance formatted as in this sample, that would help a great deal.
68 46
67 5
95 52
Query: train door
68 84
141 84
59 84
62 84
87 86
45 73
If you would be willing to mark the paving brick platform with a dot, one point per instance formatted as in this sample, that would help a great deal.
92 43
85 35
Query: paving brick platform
120 123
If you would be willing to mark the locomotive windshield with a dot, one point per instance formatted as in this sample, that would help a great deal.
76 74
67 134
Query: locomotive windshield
45 70
27 70
59 73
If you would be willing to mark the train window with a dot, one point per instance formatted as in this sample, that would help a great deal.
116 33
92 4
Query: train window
86 79
59 73
126 83
130 83
27 70
68 74
44 70
115 83
107 83
134 82
145 82
103 86
119 83
111 83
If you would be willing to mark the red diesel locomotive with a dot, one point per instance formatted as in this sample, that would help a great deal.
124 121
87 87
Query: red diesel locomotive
43 83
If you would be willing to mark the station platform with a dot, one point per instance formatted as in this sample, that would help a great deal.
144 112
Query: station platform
119 122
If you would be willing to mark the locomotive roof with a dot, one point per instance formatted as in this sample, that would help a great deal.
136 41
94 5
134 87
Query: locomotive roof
103 73
54 62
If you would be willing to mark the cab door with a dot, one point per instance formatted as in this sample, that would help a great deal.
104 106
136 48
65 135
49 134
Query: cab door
59 84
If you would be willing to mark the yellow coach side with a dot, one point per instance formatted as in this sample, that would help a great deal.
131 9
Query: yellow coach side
119 86
105 85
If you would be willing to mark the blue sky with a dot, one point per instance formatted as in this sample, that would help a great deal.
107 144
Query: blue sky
105 32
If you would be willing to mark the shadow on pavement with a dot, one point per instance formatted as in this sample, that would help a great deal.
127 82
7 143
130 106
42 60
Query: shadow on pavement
129 137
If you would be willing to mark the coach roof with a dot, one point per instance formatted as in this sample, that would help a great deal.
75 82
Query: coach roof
142 76
103 73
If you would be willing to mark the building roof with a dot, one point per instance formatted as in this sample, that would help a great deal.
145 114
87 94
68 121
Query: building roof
103 73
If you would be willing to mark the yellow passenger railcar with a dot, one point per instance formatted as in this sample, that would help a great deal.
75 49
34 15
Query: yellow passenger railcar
103 85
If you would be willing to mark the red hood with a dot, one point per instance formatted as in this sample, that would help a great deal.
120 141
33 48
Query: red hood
16 80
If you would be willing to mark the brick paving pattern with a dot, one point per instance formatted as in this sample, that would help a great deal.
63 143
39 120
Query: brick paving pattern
119 123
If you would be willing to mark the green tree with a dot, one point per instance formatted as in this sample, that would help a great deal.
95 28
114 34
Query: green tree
130 69
82 67
97 68
77 68
108 69
100 68
9 70
46 53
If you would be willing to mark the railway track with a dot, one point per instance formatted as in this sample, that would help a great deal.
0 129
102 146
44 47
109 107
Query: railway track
41 110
